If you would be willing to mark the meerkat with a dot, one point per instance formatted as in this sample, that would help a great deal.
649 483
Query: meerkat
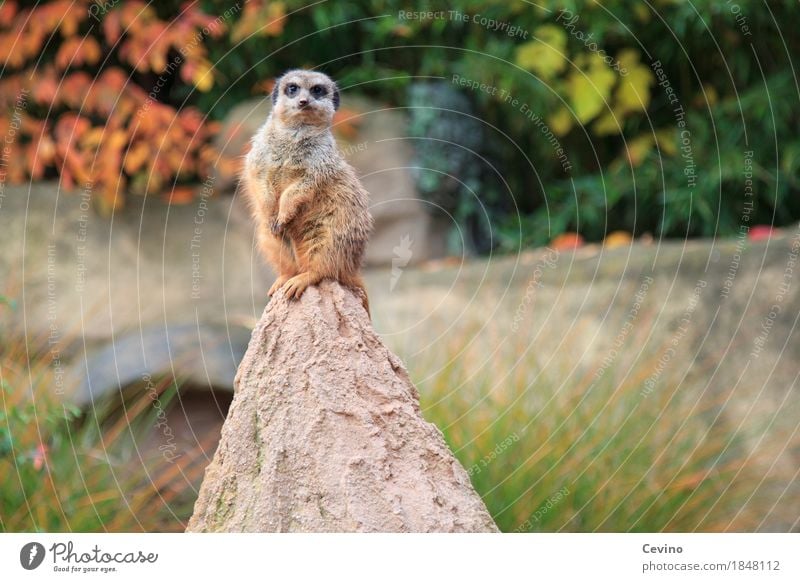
310 208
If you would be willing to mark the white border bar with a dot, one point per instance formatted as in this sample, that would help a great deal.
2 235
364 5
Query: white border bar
445 557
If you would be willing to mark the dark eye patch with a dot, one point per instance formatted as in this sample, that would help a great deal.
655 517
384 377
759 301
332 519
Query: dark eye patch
291 89
318 91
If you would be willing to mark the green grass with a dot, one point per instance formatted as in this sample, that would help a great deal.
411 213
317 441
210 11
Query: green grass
554 449
549 444
64 470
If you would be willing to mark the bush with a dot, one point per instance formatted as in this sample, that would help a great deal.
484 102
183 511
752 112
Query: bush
87 91
598 117
624 168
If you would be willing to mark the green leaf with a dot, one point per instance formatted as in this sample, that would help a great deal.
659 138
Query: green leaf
589 91
607 124
561 121
544 55
633 91
638 148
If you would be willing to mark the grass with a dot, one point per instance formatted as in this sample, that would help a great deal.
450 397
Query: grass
550 444
550 448
65 470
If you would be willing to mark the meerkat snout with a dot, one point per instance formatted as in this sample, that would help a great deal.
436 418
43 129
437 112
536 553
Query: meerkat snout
310 98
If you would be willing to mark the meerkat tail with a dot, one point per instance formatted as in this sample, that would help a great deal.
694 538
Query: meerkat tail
357 284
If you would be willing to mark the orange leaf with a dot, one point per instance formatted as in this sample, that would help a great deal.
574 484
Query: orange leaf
191 120
106 90
112 27
188 70
10 50
66 179
135 14
345 123
45 88
275 20
7 12
74 89
259 17
45 148
566 241
618 238
70 127
199 19
180 195
77 51
10 90
74 14
65 15
92 138
203 77
74 164
136 157
36 163
116 140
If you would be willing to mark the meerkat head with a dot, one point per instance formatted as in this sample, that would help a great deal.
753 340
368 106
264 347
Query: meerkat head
303 97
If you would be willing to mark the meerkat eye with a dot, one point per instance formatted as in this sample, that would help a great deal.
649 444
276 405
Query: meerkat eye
318 91
291 89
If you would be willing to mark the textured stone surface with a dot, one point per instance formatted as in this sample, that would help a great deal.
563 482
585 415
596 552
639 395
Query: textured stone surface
325 434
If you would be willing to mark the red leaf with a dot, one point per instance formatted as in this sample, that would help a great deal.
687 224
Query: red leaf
566 241
760 232
74 89
7 12
112 27
45 88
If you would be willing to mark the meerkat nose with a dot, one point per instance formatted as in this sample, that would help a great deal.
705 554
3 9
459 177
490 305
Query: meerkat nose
303 102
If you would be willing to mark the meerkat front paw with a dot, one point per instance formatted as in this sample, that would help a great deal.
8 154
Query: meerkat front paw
297 285
277 227
277 284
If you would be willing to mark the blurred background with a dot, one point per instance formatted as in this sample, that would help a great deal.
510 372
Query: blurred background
585 250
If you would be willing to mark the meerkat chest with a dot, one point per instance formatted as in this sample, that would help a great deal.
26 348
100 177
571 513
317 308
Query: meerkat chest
285 168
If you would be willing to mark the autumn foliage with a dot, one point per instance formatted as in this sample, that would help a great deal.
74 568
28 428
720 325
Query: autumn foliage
82 97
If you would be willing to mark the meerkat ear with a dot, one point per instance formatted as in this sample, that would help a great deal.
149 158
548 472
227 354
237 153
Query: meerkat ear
335 97
276 91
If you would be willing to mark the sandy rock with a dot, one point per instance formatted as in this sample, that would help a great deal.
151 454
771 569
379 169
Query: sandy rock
325 434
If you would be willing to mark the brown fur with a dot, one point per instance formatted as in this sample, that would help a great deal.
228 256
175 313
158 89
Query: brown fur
310 208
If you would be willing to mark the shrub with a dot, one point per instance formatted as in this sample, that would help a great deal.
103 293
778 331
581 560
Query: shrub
86 90
585 105
549 91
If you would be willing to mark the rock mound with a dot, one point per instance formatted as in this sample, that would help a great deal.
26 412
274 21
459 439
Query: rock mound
325 434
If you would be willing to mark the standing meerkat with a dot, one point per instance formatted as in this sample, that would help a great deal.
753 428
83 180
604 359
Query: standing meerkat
310 208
